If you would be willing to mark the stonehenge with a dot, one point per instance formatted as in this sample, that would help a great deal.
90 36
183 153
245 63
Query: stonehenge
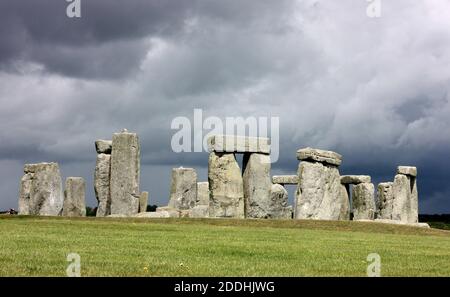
320 194
41 190
231 190
74 197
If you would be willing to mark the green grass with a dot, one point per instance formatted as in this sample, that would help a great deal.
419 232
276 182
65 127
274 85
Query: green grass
39 246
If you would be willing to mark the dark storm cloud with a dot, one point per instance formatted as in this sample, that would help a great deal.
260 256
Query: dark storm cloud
107 42
375 90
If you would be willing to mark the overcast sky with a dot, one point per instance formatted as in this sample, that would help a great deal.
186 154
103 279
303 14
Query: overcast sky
375 90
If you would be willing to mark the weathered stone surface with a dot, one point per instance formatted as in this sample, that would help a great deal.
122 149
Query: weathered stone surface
183 189
238 144
153 215
320 194
407 170
103 146
363 201
226 186
143 202
173 213
125 173
355 179
185 213
25 194
322 156
200 211
41 190
102 177
257 184
74 197
285 179
279 208
405 206
385 200
203 193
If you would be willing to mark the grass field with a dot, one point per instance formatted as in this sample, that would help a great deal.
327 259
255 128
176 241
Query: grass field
38 246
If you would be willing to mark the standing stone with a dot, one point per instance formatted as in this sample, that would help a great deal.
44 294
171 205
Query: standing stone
125 173
405 206
41 190
74 197
385 200
226 186
102 184
183 189
257 184
320 194
363 201
25 194
279 208
143 202
203 193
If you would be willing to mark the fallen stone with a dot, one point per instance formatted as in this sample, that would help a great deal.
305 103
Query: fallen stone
407 170
143 202
173 213
395 222
102 177
200 211
185 213
257 184
226 186
320 194
279 208
125 173
285 179
322 156
183 189
103 146
363 201
355 179
238 144
203 193
385 200
41 190
74 197
153 215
